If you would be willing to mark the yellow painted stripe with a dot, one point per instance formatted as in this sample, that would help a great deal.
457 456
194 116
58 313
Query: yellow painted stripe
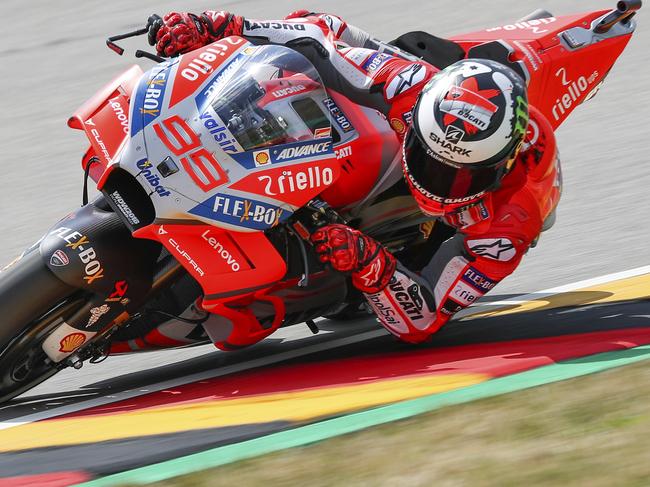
626 289
291 406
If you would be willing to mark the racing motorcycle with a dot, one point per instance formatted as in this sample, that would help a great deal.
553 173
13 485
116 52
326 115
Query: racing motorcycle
214 168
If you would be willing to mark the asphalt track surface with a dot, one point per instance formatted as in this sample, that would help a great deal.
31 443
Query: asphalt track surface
54 58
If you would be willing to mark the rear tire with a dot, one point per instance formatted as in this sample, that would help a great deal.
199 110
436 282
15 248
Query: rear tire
32 303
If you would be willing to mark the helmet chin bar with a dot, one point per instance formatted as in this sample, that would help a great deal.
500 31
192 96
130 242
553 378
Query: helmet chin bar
431 207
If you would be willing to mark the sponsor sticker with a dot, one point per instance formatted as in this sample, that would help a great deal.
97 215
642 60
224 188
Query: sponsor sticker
119 293
323 132
146 169
536 26
120 113
450 307
262 158
219 81
243 212
343 152
290 90
124 208
479 281
293 184
59 259
318 148
386 313
220 134
96 313
186 257
221 251
303 151
356 55
248 25
338 116
87 255
71 342
469 106
464 293
398 125
408 298
195 67
148 100
374 62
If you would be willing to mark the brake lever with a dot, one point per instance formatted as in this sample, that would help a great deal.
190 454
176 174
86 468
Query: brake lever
148 55
110 42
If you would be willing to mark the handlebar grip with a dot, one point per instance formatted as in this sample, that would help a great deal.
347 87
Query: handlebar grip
628 5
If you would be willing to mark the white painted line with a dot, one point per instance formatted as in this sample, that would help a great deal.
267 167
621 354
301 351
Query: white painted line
231 369
595 281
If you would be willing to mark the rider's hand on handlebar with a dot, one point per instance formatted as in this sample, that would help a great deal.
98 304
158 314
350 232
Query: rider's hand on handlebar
349 250
181 32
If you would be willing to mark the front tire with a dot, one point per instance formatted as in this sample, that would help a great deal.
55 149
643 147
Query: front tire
33 302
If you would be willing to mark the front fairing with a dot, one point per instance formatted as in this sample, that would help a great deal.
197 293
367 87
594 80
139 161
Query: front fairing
233 146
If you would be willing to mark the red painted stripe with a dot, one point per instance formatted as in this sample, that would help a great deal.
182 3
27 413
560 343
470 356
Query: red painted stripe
58 479
494 359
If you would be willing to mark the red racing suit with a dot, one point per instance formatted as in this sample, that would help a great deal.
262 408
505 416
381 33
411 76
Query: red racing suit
491 237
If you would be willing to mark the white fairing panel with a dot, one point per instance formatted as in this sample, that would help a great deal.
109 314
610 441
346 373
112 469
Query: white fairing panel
232 135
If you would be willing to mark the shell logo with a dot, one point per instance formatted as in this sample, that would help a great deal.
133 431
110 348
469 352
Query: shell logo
71 342
262 158
398 125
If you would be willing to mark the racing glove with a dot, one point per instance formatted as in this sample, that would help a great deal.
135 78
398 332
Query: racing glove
349 250
181 32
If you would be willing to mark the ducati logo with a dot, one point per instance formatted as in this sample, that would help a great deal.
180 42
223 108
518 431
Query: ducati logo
59 259
454 134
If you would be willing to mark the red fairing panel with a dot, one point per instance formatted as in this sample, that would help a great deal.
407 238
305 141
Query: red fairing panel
365 157
560 78
105 120
224 263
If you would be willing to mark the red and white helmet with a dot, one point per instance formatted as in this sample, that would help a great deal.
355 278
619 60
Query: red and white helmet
468 125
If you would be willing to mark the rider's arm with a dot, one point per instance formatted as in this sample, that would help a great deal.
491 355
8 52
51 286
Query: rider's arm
366 76
353 36
415 305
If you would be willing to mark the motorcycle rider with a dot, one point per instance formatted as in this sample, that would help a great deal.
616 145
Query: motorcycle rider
462 128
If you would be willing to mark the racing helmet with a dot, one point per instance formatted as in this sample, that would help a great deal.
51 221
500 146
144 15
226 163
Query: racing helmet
468 125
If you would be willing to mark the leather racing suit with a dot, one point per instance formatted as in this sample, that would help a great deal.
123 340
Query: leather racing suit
491 237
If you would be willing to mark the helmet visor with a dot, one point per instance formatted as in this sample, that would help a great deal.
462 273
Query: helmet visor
443 182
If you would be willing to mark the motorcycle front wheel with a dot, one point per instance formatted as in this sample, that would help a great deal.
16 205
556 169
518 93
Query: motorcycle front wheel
33 302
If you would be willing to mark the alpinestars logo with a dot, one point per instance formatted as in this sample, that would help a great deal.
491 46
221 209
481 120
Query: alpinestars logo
405 80
501 249
371 277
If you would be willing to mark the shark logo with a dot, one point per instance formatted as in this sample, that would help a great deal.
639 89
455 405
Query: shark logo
454 134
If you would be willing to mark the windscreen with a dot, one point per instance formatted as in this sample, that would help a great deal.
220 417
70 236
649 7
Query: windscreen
272 97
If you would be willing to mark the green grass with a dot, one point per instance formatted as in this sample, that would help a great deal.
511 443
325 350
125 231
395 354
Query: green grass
590 431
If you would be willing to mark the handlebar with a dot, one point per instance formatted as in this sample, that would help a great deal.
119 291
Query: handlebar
625 10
